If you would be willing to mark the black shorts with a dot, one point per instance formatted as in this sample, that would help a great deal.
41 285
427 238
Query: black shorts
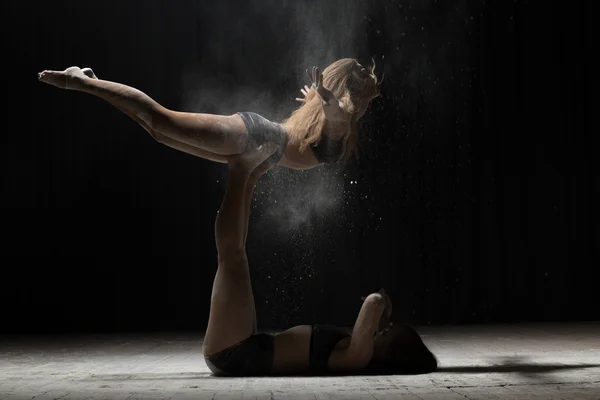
323 340
250 357
261 130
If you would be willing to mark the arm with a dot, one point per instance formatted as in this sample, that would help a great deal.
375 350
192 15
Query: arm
385 322
359 352
332 107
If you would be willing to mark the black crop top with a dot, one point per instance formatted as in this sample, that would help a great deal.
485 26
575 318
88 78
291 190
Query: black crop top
328 150
323 340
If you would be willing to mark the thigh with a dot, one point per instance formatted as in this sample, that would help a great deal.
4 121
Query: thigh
232 313
218 134
175 144
186 148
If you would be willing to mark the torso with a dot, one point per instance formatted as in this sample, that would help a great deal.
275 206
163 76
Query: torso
292 350
295 159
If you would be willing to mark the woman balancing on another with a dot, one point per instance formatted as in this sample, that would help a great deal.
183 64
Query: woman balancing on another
321 130
232 345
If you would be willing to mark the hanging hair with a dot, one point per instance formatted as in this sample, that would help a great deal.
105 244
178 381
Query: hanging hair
306 124
406 354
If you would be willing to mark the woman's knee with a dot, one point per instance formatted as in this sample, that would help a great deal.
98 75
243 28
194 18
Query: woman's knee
228 244
231 256
158 118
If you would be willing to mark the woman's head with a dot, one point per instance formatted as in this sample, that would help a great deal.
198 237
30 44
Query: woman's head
401 350
353 85
350 81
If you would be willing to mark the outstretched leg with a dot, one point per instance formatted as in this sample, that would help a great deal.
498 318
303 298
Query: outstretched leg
218 134
232 314
159 137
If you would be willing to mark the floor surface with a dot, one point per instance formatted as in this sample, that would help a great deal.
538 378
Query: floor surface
541 361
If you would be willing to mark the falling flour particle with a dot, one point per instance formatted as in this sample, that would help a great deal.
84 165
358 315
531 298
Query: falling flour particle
298 197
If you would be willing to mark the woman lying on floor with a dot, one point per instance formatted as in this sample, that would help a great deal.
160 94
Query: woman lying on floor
232 345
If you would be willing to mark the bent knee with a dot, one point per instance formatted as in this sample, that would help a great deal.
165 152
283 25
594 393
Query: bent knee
157 117
232 256
228 245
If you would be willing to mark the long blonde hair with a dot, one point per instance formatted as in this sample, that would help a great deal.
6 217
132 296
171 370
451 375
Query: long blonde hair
307 123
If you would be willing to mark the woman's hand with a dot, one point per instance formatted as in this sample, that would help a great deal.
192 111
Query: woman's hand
388 303
331 106
304 91
316 79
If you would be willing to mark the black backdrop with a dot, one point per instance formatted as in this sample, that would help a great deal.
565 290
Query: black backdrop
474 199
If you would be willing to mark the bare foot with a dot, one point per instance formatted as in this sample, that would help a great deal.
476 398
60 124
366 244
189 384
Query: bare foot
250 159
70 78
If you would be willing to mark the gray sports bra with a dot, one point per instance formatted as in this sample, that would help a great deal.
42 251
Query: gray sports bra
328 150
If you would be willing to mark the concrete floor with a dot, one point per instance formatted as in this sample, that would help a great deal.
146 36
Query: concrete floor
477 362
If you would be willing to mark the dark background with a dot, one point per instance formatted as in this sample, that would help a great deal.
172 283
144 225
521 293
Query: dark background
474 199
